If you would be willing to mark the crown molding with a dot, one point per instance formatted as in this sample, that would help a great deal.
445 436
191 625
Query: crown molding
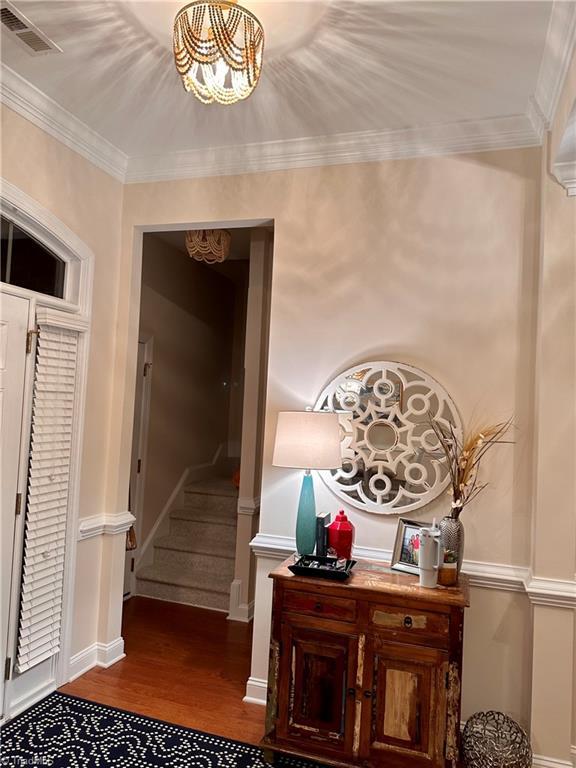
497 133
558 49
564 167
27 100
566 175
360 147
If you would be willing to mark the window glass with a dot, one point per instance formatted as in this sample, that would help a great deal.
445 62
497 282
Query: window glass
28 264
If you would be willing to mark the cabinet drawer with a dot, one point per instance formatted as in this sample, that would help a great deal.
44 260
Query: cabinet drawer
410 625
339 608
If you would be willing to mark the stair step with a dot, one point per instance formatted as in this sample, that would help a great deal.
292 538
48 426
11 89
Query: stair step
202 515
209 535
191 557
171 582
224 504
214 486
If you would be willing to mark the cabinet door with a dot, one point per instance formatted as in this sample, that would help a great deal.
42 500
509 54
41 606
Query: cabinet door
316 698
404 709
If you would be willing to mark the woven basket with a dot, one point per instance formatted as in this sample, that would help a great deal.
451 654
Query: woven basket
494 740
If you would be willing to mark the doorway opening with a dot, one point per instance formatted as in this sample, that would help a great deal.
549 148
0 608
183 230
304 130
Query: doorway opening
198 421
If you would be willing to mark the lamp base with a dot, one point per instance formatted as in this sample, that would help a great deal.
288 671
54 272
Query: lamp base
306 520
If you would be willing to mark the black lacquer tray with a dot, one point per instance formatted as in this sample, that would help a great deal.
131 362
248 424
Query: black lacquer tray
321 568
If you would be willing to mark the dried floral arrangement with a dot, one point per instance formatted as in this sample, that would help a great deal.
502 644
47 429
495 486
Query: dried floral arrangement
463 458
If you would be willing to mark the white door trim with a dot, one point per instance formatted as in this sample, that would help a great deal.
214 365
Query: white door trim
72 311
145 399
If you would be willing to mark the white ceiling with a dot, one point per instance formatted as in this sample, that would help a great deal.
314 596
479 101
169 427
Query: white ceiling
331 69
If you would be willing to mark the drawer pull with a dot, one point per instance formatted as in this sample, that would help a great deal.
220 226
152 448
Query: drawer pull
351 691
408 622
318 607
368 694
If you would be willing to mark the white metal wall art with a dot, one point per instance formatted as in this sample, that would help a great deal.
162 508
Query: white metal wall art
391 462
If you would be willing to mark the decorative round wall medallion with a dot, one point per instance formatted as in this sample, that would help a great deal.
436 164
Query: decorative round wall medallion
391 458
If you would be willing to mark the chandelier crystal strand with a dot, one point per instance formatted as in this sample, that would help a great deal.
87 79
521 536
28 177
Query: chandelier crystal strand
209 245
218 49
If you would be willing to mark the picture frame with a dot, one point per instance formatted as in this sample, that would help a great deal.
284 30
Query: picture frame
406 545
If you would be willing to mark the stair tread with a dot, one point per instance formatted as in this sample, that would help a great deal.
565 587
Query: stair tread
214 486
173 574
190 544
195 515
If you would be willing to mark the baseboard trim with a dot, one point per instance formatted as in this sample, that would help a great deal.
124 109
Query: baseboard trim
541 761
96 655
256 691
239 611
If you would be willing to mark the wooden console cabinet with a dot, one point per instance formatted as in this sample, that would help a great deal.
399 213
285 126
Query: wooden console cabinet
365 672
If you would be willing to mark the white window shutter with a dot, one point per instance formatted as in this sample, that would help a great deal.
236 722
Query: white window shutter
48 494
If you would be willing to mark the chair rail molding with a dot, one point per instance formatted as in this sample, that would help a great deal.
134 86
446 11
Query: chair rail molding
509 578
249 507
97 525
558 593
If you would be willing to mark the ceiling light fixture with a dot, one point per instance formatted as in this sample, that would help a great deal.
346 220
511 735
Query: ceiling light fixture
218 47
209 245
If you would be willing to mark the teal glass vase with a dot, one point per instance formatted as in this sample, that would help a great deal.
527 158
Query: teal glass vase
306 520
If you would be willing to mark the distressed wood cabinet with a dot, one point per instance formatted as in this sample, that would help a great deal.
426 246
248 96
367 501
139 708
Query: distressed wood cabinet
365 672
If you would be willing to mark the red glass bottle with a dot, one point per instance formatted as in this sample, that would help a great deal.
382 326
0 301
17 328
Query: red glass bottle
341 536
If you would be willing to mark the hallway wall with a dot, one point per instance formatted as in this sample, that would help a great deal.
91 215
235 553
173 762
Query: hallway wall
431 261
188 309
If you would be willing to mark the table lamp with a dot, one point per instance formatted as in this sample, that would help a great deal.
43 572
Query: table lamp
307 440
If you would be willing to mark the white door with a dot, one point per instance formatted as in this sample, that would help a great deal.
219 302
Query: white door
137 464
14 313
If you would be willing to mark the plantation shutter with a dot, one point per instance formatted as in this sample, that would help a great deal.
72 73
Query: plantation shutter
48 493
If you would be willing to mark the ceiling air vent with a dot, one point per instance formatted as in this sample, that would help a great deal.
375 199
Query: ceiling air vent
24 32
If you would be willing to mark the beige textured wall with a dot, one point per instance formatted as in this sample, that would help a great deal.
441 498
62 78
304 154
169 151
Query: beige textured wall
427 261
188 309
559 255
497 654
431 261
89 202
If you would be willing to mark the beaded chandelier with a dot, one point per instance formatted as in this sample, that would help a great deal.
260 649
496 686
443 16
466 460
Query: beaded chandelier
218 48
209 245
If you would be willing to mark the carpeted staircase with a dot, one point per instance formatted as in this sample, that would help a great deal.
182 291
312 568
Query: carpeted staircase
194 563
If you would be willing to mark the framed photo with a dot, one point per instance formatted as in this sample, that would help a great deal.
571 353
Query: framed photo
407 545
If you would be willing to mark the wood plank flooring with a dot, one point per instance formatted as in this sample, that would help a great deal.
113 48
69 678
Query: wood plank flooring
185 665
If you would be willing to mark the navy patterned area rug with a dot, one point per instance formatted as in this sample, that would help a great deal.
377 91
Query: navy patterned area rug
63 731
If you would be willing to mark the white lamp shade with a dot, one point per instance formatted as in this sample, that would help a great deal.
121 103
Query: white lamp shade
307 440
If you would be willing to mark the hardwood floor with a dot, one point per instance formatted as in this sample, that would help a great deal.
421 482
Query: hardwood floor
186 665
